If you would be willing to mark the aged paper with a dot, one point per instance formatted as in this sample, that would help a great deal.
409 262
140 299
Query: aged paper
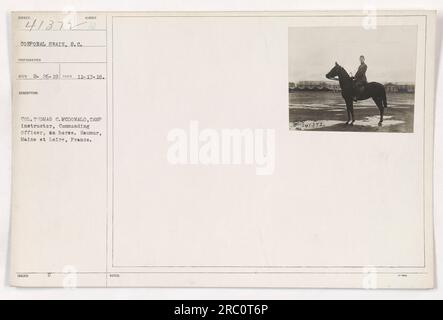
283 149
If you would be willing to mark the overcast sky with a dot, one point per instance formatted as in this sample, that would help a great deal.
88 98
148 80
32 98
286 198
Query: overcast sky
390 52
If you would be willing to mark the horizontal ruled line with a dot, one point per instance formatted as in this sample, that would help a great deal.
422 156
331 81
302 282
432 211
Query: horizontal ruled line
63 47
58 79
59 62
84 30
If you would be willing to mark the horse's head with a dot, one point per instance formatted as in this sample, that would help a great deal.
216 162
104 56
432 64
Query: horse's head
334 72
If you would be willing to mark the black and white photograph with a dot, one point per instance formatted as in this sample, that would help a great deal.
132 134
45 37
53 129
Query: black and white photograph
221 157
352 78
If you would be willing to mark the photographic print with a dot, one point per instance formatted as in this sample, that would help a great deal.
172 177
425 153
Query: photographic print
352 79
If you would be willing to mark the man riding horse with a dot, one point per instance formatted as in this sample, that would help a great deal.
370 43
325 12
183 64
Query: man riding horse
360 80
358 88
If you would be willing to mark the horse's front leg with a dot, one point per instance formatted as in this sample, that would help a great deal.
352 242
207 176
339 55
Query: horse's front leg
352 112
349 114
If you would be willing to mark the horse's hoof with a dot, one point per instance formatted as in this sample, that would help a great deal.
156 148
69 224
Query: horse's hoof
380 124
352 123
346 123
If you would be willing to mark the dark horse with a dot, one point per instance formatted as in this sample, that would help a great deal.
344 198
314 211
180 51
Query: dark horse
373 90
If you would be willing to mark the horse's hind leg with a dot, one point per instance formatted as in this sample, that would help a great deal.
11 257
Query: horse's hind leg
379 103
382 111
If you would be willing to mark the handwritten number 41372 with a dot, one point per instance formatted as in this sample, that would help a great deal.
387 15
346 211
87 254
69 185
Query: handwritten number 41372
52 25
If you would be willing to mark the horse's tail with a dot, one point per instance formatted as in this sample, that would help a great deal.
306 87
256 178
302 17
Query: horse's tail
385 101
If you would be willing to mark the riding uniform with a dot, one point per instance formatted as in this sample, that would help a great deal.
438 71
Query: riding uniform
360 79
